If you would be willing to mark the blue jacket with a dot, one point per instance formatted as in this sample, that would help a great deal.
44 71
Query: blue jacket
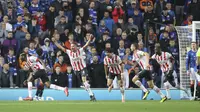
109 23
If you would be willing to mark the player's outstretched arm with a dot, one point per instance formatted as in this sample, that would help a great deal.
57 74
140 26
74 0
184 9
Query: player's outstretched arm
88 42
58 45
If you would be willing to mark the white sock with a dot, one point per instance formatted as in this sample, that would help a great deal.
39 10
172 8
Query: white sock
157 90
53 86
30 85
122 90
87 88
139 84
166 84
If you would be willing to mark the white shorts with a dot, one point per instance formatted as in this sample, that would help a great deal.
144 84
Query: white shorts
194 75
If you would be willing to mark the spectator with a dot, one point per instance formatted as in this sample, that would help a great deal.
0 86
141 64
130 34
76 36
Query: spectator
25 42
22 76
41 20
193 9
32 50
109 23
102 28
131 26
131 9
3 32
21 7
9 42
96 74
152 40
34 7
121 49
127 42
82 15
93 13
61 64
166 17
12 15
70 41
58 77
20 24
57 4
138 19
2 61
105 7
73 81
63 23
121 24
171 12
188 21
117 12
103 54
68 10
34 28
12 61
8 26
78 33
50 19
149 15
158 8
164 41
58 18
6 79
65 35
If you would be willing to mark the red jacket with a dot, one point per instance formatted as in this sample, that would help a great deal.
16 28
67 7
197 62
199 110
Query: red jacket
42 22
116 14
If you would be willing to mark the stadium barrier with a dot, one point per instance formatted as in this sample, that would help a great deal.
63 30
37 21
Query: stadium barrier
80 94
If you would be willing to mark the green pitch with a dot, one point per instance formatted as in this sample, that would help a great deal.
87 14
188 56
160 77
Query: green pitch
100 106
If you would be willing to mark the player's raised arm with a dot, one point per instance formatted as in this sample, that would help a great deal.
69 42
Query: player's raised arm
88 42
58 45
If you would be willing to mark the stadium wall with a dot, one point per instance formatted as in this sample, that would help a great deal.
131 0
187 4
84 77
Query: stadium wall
80 94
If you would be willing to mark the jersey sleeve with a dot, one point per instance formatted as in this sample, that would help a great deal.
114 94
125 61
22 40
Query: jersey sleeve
67 51
140 53
34 59
153 57
198 53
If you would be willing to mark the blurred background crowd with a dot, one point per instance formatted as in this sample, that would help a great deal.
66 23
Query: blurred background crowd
26 25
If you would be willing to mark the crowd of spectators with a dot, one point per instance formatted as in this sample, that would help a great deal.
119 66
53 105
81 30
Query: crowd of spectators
26 25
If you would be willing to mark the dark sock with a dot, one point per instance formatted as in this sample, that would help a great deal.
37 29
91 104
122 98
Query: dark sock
41 92
198 90
192 89
37 92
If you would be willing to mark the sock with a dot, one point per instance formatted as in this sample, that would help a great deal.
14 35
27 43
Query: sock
87 88
157 90
198 90
122 90
166 84
30 85
53 86
139 84
192 89
41 93
37 92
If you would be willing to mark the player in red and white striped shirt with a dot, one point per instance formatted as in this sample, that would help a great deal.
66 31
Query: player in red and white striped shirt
166 62
77 59
114 68
142 58
37 67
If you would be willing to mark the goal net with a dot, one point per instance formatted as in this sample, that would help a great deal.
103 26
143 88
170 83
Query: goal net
186 35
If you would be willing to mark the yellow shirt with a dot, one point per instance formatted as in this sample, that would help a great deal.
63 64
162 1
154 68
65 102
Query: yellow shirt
198 53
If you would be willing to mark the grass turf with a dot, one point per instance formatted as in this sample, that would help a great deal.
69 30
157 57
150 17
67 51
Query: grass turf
100 106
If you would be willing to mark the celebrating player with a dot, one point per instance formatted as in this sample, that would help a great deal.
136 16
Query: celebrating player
142 59
192 69
114 68
78 63
38 71
166 62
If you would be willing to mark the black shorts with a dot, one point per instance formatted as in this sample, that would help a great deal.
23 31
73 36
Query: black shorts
42 75
170 78
145 74
83 72
112 76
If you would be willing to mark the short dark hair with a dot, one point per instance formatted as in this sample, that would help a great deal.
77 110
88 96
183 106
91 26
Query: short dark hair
136 45
109 50
39 51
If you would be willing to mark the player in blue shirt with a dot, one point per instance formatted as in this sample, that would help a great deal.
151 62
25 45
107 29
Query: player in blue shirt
192 68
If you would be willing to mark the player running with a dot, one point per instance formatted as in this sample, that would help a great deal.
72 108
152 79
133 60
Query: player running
142 58
78 63
191 68
38 71
166 62
114 68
